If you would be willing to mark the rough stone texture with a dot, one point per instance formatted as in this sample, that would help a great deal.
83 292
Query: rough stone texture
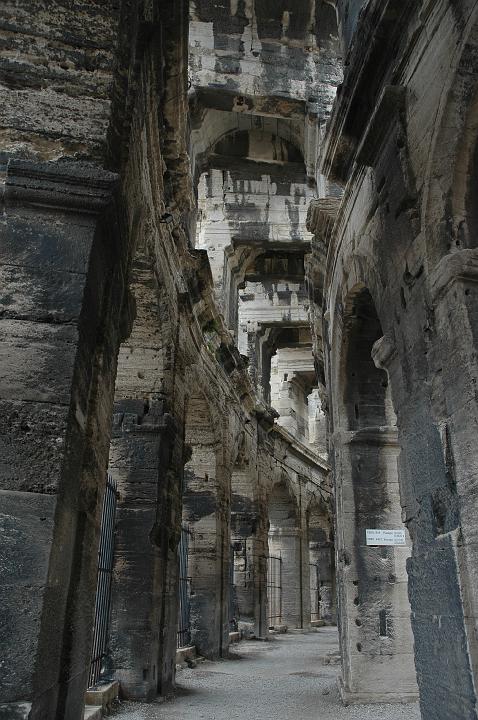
401 140
201 270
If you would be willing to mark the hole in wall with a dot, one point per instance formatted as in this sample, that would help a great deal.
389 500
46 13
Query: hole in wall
383 625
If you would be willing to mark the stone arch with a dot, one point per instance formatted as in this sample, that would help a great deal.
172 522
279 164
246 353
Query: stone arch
449 223
320 535
285 541
206 511
215 125
374 614
249 542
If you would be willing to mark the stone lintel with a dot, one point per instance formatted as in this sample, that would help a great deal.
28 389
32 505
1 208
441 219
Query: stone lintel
285 532
72 186
380 435
218 98
128 423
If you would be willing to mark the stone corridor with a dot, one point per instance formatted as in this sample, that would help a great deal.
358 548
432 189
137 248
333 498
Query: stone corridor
238 358
290 677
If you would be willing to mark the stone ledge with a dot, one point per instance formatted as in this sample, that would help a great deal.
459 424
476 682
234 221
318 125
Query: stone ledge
185 653
279 629
102 695
15 711
93 712
365 698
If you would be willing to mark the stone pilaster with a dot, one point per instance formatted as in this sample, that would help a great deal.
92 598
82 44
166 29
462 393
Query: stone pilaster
144 598
62 261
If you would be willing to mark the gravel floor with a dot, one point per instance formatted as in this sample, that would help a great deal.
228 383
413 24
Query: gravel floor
284 679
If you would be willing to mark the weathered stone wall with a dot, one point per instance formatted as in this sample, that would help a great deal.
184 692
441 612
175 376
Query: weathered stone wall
116 307
402 140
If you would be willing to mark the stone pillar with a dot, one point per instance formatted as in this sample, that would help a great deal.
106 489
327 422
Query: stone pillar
376 638
438 416
207 511
322 556
327 588
250 574
62 262
288 543
144 598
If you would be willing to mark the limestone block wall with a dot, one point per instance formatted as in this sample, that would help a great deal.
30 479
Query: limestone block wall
117 307
266 50
403 232
56 78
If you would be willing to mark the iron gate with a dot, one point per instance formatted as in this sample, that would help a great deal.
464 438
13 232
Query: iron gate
274 590
184 619
103 584
233 609
314 592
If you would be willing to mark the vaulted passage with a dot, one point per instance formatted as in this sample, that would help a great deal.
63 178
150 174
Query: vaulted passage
238 359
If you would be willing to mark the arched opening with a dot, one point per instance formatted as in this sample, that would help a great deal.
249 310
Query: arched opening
206 511
285 543
375 630
249 543
323 607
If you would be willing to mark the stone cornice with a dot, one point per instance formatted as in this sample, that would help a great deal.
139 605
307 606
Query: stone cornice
380 435
71 186
381 29
321 216
301 450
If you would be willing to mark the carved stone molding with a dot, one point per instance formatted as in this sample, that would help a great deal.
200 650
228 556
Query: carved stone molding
69 186
321 217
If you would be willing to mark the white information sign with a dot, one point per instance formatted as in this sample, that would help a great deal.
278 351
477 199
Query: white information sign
385 537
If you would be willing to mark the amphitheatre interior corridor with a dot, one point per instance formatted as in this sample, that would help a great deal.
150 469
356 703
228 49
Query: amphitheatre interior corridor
239 359
277 678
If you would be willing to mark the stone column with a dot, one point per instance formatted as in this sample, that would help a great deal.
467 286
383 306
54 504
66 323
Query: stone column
144 598
62 261
206 509
375 631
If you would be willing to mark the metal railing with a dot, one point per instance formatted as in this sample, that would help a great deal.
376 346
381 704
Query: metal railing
314 592
184 616
103 585
233 607
274 590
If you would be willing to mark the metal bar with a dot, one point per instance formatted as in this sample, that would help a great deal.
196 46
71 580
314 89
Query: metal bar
314 591
184 590
104 581
274 590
